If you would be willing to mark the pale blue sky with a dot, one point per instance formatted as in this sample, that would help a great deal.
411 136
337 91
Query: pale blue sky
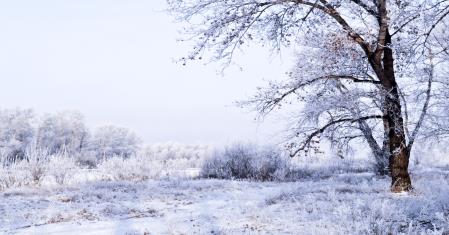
113 61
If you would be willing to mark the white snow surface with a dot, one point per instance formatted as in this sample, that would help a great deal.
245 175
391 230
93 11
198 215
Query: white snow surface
355 203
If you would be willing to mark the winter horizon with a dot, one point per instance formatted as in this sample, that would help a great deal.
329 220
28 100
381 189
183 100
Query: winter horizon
104 60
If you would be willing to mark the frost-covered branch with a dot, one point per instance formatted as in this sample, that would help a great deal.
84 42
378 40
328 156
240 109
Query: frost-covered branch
306 143
267 99
426 103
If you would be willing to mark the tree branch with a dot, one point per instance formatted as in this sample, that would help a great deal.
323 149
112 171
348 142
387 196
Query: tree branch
309 138
434 25
267 105
367 8
405 24
426 104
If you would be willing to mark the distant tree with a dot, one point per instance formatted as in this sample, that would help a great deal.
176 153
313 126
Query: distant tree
62 132
357 58
109 141
16 132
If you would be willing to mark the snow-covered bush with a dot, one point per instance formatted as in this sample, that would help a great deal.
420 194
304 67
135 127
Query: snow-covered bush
35 163
240 161
87 159
13 176
175 156
328 168
61 168
109 141
36 167
30 170
157 161
135 168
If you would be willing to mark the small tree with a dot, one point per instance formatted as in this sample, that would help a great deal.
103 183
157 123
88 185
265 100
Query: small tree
16 132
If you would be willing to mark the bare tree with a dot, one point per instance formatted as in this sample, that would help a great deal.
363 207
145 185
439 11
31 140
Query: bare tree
109 141
16 132
356 55
62 132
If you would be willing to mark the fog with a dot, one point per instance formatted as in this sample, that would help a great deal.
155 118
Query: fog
115 61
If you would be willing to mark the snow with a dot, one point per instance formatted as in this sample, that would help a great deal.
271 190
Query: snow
350 203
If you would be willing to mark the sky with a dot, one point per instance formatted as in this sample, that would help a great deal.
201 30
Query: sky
115 61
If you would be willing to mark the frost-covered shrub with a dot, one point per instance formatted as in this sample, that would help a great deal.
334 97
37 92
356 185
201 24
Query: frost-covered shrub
35 163
326 168
271 164
36 168
13 176
134 168
175 156
246 162
30 170
251 162
61 168
87 159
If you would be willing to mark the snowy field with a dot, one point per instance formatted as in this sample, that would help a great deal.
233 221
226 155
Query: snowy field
323 99
349 203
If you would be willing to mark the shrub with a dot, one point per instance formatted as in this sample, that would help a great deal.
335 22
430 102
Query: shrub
87 159
326 169
13 176
61 168
35 163
175 156
240 161
37 168
134 168
30 170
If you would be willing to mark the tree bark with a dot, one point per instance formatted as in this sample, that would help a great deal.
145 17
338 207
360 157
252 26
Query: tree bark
399 154
381 157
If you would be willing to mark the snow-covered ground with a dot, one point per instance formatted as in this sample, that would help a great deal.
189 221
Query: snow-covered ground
355 203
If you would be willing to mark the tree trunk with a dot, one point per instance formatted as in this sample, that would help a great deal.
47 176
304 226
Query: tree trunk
386 143
399 154
382 163
380 156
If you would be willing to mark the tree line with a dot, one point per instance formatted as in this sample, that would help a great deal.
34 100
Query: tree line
21 130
